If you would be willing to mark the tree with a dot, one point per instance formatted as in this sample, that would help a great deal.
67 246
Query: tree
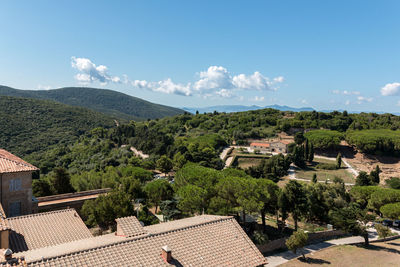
296 200
298 157
363 179
157 191
374 175
339 161
192 199
352 219
299 138
169 209
393 182
311 153
61 181
41 188
383 231
391 210
106 208
297 241
306 150
179 161
314 178
164 164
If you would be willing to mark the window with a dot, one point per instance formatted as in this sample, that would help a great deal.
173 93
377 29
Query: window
15 209
15 184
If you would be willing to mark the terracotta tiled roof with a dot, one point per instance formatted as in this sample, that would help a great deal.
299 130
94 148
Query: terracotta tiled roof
215 242
46 229
12 163
286 141
129 226
4 225
259 144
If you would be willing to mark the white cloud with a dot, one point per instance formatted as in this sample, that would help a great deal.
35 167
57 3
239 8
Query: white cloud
362 99
215 81
304 101
166 86
89 72
256 81
398 103
258 99
391 89
345 92
224 93
216 77
347 102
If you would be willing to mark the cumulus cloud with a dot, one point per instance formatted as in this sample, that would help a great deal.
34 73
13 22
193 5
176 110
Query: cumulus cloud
166 86
216 81
89 72
215 77
224 93
391 89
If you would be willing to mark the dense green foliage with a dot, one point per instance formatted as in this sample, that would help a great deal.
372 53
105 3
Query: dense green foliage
393 182
324 139
29 125
391 210
109 102
378 141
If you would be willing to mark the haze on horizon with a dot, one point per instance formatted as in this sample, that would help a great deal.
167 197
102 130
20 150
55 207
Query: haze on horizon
325 55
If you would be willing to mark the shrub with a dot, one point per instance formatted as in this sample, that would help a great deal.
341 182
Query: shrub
391 210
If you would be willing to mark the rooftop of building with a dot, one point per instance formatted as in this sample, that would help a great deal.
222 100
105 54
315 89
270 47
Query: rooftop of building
10 163
198 241
46 229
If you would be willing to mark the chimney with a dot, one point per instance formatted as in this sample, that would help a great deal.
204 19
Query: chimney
166 253
7 254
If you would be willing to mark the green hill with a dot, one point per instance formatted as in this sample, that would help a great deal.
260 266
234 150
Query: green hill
110 102
32 125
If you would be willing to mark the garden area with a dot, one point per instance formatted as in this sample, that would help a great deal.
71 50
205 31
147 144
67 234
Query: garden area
321 167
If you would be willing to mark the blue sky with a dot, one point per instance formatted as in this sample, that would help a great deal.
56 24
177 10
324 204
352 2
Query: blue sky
323 54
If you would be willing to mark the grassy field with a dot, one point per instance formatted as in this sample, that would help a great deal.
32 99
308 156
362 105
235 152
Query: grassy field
377 254
323 175
248 162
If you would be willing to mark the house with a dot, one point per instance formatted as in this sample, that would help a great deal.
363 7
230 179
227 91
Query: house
205 240
262 147
16 185
268 146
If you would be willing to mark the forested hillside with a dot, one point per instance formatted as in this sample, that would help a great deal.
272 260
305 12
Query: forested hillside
110 102
31 125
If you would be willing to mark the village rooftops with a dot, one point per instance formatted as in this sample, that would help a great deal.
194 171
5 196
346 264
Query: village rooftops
198 241
10 163
46 229
260 144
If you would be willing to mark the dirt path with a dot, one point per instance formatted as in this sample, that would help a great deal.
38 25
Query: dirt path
139 153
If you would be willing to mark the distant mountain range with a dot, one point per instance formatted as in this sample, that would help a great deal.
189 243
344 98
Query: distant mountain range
115 104
240 108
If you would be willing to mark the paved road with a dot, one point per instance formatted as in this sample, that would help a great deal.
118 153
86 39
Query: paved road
281 258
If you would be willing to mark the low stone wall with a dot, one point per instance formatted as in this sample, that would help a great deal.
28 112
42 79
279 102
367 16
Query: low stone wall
312 238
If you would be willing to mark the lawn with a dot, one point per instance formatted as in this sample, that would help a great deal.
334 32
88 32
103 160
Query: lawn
377 254
323 175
